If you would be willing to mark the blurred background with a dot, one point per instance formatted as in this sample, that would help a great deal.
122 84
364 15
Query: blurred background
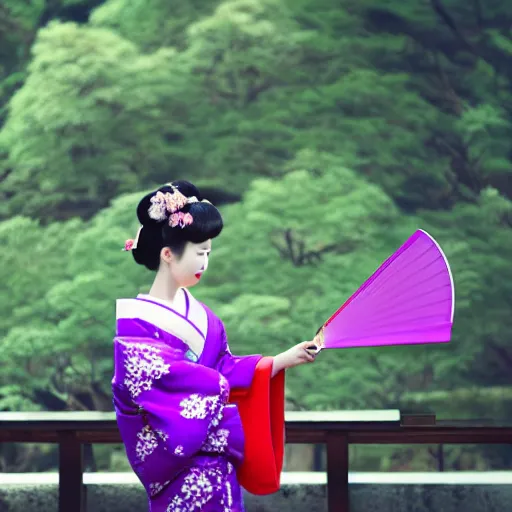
326 131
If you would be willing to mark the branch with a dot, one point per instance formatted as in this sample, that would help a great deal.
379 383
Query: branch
447 88
454 151
448 20
374 360
295 250
502 352
49 400
254 92
102 401
76 404
475 162
478 13
437 454
287 251
4 175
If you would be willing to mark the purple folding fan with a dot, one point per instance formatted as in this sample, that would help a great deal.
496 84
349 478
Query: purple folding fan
409 300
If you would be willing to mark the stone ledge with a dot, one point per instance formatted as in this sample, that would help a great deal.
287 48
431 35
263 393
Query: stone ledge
300 492
293 478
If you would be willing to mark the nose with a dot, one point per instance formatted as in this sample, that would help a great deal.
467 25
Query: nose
205 265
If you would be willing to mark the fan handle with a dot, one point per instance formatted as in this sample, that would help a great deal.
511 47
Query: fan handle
318 342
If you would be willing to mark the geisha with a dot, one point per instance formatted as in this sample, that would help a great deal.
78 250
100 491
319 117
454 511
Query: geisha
197 422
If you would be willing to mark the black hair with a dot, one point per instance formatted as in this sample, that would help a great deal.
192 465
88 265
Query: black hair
155 235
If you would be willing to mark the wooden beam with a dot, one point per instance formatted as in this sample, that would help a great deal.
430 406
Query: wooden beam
71 468
337 472
336 429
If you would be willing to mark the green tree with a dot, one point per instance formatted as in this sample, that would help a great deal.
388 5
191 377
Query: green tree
94 118
59 318
459 54
479 243
271 281
33 261
281 79
293 250
276 225
19 23
343 128
245 51
151 24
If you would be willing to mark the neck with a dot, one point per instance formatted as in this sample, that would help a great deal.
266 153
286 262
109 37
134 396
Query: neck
164 287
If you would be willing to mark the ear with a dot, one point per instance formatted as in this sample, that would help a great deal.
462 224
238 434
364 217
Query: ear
166 255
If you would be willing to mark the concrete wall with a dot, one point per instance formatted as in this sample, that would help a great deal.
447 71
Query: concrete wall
301 492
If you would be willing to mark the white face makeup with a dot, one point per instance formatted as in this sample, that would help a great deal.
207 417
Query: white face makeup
187 270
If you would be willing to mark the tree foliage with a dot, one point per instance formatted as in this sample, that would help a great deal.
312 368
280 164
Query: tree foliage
94 118
336 130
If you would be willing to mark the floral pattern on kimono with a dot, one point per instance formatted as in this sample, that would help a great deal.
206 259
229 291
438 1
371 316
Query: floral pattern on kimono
182 437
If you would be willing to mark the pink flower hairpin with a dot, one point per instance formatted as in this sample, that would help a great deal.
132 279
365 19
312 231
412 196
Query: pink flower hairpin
180 219
131 244
176 201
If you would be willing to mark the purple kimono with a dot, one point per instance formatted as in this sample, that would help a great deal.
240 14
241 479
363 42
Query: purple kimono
183 440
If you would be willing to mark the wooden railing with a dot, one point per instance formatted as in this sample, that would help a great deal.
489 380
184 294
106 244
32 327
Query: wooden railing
337 430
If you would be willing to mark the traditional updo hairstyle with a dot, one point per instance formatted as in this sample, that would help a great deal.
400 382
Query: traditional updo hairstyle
157 234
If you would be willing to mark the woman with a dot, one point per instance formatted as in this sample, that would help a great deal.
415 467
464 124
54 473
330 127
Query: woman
197 422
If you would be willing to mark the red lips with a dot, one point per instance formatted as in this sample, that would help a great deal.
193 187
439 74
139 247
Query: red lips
198 275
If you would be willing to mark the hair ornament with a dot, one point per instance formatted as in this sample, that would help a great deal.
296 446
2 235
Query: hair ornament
164 205
180 219
131 244
167 206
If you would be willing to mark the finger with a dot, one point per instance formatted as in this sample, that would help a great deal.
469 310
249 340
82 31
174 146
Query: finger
310 357
313 351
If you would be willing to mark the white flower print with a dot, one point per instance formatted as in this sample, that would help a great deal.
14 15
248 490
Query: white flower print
216 441
198 406
224 388
179 450
199 487
177 505
215 421
148 442
162 435
143 366
196 486
156 487
227 498
196 491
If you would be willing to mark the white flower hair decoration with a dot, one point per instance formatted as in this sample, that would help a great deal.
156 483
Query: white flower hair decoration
167 206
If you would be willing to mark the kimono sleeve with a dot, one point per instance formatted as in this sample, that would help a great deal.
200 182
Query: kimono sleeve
260 401
178 405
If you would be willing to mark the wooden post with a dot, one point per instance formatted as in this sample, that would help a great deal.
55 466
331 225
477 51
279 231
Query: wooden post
71 464
337 472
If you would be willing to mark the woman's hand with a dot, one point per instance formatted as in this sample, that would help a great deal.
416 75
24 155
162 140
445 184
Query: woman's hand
304 352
